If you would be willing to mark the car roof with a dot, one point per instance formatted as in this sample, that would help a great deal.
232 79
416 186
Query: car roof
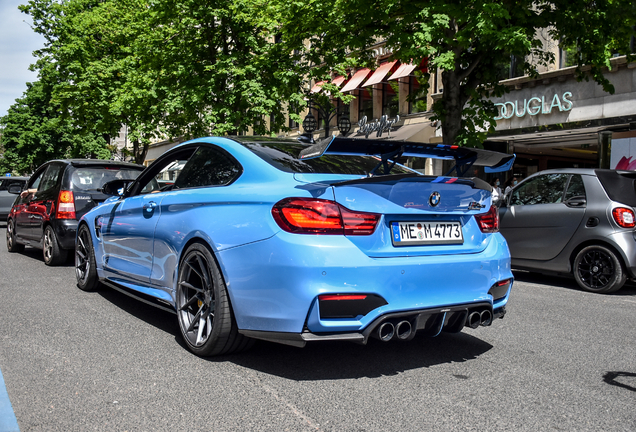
15 178
582 171
88 162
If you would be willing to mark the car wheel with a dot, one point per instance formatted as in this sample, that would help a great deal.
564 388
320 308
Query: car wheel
85 269
12 244
203 306
597 269
53 253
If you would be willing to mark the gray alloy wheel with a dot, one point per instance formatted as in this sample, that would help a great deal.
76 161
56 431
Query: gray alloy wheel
597 269
85 269
12 244
52 252
203 306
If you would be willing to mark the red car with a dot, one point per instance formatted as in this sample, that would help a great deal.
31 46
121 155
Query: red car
57 195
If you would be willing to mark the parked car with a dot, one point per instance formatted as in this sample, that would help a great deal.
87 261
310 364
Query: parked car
277 240
576 222
6 198
58 193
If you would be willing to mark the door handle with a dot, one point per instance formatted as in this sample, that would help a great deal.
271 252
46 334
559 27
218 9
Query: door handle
150 207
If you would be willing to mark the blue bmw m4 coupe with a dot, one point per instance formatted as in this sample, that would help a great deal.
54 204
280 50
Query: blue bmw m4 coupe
267 238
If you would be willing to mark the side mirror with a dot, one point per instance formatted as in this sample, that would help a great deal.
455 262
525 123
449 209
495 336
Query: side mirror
15 189
116 187
576 201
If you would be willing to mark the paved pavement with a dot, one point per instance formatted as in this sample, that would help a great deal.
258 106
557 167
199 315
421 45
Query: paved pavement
561 359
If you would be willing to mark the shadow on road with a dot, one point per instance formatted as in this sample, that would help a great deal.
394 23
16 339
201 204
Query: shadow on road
629 289
341 360
617 378
324 360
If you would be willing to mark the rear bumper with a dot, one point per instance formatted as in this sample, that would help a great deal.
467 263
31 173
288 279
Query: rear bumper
429 322
274 284
65 230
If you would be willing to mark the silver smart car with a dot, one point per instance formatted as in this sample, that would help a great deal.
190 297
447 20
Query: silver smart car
574 221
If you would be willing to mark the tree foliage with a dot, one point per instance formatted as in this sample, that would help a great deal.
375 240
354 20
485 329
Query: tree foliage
34 131
467 40
177 68
184 68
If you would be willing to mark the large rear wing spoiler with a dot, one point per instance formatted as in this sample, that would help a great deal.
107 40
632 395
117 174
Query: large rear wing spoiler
389 151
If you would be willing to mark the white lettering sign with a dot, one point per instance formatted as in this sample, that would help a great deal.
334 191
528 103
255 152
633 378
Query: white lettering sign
379 126
534 106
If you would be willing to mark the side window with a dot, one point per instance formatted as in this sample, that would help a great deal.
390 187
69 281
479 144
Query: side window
575 188
166 169
50 177
208 167
545 189
35 180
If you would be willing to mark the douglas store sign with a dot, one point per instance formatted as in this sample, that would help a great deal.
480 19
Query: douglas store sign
534 106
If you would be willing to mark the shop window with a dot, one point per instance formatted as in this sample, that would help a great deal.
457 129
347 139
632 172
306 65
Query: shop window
365 104
417 96
390 99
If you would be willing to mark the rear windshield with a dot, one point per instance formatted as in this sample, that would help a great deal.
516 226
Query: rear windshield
92 178
284 157
619 185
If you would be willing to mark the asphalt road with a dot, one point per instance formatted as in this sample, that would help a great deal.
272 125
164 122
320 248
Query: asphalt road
561 359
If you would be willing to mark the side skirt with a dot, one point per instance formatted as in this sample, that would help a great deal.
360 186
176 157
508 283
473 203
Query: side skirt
152 301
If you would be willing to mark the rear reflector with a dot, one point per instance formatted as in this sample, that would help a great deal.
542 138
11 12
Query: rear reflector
319 216
65 205
328 297
624 217
348 305
489 222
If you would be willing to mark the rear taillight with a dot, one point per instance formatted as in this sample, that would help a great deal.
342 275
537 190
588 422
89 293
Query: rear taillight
624 217
319 216
65 205
488 222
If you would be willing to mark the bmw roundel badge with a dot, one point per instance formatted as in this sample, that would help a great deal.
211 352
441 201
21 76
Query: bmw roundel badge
434 199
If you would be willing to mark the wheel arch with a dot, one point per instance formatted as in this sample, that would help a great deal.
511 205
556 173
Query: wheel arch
598 242
206 243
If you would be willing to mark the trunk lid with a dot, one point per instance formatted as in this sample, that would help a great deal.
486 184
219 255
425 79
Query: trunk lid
418 203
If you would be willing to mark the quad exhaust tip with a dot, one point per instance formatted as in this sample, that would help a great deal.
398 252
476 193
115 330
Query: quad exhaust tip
386 331
475 319
403 330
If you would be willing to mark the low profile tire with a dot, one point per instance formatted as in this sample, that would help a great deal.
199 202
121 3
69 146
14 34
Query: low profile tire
599 270
203 306
85 268
52 252
12 243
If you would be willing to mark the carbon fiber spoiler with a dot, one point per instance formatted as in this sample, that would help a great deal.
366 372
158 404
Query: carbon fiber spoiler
464 157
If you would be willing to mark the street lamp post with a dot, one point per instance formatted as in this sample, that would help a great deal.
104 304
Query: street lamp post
327 112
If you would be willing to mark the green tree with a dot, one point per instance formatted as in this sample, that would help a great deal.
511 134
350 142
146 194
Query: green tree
176 68
467 40
35 131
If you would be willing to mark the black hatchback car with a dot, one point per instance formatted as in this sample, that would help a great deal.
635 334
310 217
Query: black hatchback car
576 221
56 196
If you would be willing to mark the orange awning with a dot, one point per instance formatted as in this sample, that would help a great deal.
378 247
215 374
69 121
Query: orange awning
316 88
339 80
404 70
356 79
380 73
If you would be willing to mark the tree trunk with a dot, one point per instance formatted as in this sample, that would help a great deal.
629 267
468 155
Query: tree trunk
452 104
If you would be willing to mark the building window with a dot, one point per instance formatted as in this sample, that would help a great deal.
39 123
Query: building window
390 99
365 104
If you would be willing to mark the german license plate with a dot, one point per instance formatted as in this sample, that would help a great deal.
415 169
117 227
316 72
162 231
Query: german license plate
424 233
